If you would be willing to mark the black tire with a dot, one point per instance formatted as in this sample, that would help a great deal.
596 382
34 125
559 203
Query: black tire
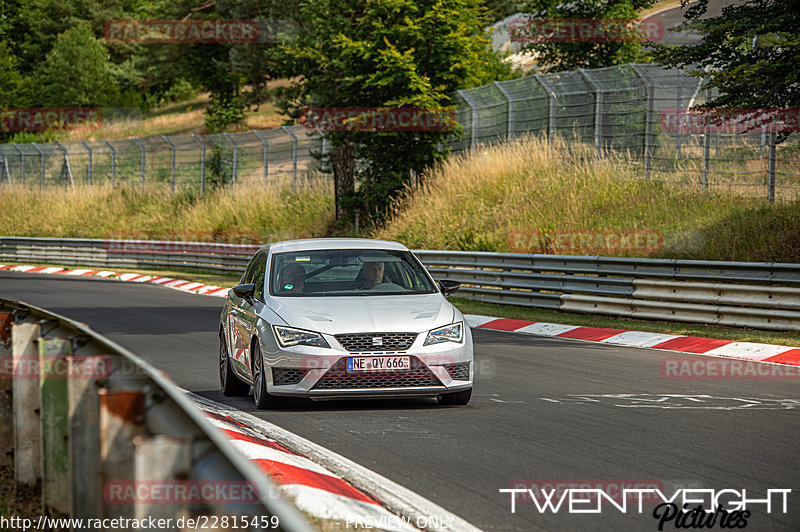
261 395
455 398
229 383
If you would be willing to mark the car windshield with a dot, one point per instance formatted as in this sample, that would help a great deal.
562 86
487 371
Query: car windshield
347 272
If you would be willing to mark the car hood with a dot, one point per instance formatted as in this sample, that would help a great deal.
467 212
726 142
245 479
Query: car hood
354 314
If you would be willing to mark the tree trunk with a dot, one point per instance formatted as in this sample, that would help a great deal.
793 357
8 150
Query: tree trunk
344 183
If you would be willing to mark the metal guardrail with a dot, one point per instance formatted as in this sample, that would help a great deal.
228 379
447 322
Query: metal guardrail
751 294
84 419
741 294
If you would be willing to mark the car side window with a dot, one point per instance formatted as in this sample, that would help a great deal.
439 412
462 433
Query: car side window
249 273
260 275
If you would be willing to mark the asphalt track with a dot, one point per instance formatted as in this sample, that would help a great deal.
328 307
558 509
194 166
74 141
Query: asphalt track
525 422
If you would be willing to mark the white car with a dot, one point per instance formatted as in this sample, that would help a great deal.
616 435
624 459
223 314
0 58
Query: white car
342 318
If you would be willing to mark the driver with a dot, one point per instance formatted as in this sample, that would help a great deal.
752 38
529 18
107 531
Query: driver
371 274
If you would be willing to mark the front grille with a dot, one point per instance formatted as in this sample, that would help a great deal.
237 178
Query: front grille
286 376
338 378
458 372
389 342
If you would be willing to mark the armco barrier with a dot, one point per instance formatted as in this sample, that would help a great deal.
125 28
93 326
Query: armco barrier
83 417
748 294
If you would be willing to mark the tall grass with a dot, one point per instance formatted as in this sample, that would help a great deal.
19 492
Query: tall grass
477 200
274 212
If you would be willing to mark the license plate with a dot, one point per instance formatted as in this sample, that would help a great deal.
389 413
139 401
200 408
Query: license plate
378 363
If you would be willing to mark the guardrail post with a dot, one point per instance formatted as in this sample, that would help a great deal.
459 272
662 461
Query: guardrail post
552 109
26 401
294 150
54 419
141 157
266 154
113 162
771 161
172 165
89 169
202 163
235 155
6 401
84 442
41 159
161 459
121 420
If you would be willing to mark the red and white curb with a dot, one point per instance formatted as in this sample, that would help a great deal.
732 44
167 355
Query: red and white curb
170 282
303 472
780 354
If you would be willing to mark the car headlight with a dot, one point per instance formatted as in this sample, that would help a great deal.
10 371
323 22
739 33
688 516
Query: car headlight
448 333
288 337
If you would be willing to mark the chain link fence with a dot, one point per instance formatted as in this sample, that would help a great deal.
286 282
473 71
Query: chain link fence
634 110
181 162
624 110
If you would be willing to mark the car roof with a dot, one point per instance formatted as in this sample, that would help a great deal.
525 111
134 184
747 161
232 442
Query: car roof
310 244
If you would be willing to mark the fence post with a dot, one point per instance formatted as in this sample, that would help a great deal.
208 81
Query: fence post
771 162
4 170
294 150
89 169
473 141
648 120
679 140
235 154
41 157
551 113
266 153
141 157
172 171
65 169
113 162
706 149
21 161
598 110
202 163
510 107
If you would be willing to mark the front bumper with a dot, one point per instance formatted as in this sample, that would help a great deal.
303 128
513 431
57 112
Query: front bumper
321 373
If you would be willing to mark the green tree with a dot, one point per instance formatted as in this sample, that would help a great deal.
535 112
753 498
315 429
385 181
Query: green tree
750 53
385 54
78 71
620 16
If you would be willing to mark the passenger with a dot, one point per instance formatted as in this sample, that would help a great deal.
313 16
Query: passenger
293 279
371 274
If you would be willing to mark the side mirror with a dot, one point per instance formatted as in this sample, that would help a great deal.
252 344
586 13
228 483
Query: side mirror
244 291
448 287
